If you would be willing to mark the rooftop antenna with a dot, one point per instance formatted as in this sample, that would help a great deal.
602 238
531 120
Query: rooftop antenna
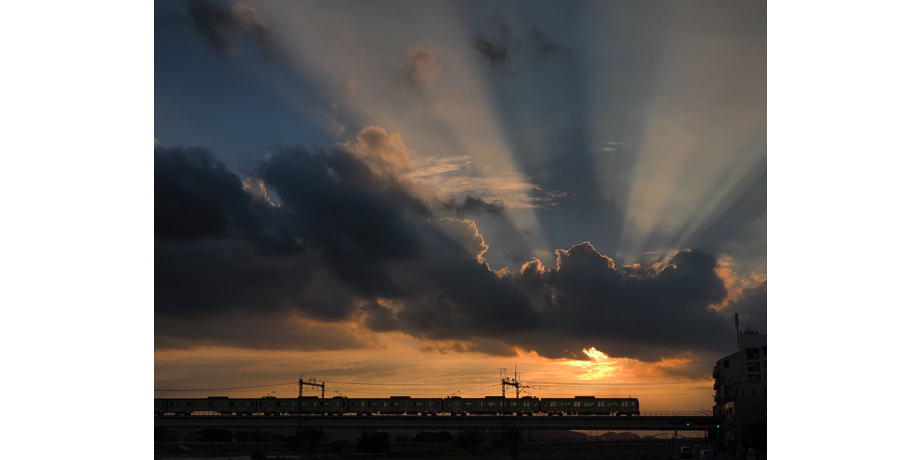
737 332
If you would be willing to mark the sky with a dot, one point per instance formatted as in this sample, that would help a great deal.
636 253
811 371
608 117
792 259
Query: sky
399 197
82 98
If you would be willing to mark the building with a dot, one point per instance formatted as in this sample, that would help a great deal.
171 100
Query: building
741 392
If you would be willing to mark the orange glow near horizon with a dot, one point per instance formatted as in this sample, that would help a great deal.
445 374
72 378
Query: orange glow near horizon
400 367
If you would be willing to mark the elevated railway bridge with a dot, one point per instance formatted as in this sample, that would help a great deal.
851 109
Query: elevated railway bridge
311 426
663 421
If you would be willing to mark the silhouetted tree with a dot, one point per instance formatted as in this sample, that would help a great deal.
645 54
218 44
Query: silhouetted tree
373 443
338 446
469 440
216 435
444 437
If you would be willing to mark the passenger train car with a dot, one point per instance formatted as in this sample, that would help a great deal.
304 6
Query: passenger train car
397 405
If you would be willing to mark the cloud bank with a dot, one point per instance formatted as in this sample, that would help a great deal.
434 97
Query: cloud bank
345 237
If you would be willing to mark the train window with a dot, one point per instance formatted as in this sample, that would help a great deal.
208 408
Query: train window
491 404
514 404
577 404
171 403
232 403
419 404
588 404
468 403
189 403
373 403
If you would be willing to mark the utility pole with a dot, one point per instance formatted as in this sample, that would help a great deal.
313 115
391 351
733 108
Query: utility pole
515 382
312 382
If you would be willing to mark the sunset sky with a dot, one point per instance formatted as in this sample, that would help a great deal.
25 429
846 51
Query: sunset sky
405 197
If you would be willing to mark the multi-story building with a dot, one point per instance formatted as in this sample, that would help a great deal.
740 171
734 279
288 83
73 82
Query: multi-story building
741 392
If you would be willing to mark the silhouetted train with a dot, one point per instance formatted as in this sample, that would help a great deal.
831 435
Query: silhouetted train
399 405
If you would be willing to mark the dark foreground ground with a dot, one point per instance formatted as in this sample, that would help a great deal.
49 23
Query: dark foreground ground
591 450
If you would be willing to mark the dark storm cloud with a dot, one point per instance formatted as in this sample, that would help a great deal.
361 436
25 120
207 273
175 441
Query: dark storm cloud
264 331
195 196
348 231
352 240
219 23
218 248
646 314
358 219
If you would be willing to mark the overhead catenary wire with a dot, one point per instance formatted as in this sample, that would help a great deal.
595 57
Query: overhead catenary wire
431 387
226 388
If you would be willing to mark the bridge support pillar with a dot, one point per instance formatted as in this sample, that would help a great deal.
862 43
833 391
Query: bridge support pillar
309 443
512 438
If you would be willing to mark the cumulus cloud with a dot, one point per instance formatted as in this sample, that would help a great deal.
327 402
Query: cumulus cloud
381 148
421 69
219 23
466 234
586 301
